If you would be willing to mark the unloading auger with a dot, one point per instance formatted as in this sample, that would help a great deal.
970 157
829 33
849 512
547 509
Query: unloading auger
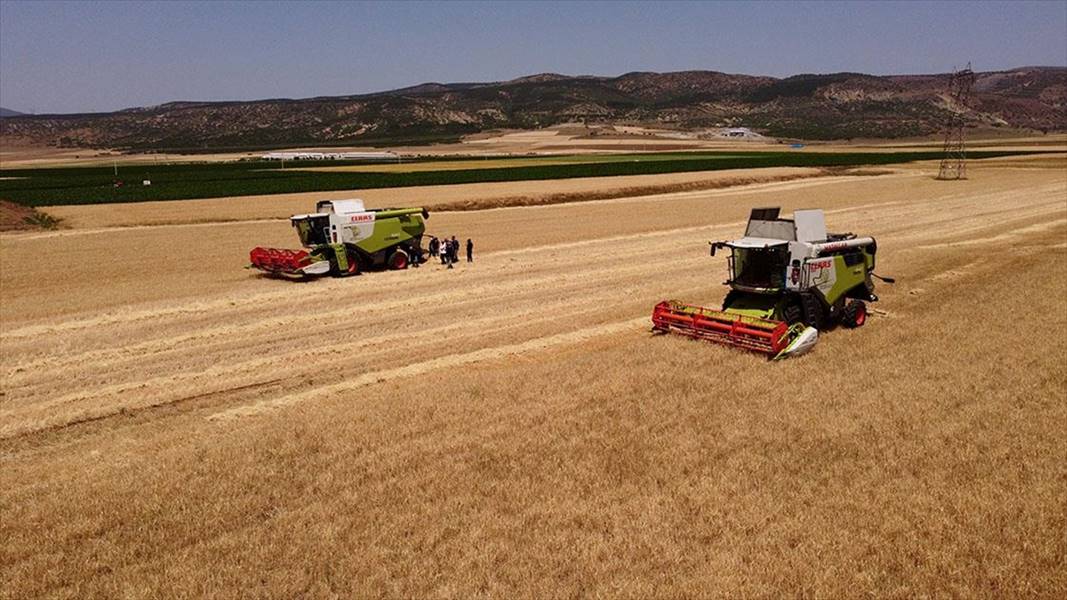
789 279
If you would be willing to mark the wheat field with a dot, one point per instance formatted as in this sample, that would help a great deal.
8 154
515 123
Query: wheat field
174 425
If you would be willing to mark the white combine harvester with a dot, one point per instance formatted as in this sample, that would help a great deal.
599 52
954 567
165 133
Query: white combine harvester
788 280
342 237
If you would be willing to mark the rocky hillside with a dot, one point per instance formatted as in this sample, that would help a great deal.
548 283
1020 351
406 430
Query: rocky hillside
835 106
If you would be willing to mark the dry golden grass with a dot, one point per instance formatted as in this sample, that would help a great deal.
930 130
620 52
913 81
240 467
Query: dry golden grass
512 429
649 190
281 206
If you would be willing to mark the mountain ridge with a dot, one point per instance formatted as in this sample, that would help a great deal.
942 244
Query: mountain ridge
806 106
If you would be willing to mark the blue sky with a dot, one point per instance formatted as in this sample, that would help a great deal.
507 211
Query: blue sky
96 56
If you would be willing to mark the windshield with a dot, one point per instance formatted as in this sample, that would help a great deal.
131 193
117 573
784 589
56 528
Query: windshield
312 230
759 267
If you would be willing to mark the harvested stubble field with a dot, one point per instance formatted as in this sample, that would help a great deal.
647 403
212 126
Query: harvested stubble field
171 425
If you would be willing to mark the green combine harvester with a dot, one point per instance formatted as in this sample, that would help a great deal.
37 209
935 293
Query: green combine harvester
789 279
342 237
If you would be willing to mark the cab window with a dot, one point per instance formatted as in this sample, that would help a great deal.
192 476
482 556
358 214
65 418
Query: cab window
853 258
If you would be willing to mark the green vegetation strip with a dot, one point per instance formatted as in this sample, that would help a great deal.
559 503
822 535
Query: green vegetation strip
93 185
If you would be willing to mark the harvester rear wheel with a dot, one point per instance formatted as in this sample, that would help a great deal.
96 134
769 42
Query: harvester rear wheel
398 260
854 315
836 311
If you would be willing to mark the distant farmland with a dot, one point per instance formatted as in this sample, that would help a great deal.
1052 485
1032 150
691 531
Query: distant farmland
94 185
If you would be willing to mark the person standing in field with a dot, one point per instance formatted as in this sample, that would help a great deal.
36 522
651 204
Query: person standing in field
443 251
470 250
453 246
433 246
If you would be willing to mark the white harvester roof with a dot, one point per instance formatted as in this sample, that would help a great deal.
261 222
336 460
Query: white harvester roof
756 242
341 207
323 208
811 225
806 226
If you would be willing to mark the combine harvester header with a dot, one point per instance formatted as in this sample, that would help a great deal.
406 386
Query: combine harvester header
788 280
342 237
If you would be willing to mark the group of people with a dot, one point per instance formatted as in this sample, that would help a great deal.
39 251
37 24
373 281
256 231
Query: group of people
448 250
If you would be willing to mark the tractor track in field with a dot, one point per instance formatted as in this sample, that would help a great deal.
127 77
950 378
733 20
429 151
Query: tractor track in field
224 352
130 412
450 361
59 233
259 349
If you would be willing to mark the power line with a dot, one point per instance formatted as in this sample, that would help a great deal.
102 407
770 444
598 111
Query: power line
954 162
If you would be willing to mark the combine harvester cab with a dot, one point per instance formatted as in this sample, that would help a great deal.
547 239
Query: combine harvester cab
789 279
342 237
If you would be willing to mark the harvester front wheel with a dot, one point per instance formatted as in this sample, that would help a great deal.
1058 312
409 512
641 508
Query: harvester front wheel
854 315
398 260
353 263
814 313
793 313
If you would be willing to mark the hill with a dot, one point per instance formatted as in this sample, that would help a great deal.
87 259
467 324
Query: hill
809 106
7 112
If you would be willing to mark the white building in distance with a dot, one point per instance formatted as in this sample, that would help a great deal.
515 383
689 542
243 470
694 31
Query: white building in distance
375 156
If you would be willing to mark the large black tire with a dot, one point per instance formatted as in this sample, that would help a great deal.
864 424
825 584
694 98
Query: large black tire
353 263
793 313
814 311
854 315
835 311
351 258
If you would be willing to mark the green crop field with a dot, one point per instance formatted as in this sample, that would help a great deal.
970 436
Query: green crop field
465 163
92 185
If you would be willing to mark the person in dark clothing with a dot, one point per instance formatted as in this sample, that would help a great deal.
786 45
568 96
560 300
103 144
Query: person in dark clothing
433 246
453 245
470 250
416 256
